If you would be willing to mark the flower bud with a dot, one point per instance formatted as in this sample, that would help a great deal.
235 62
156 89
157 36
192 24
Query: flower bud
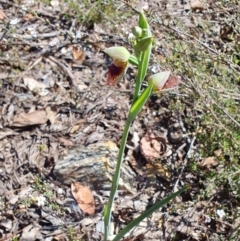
137 31
144 32
142 20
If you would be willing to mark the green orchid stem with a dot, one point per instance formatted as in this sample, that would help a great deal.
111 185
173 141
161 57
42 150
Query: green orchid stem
138 86
142 70
134 111
144 58
108 208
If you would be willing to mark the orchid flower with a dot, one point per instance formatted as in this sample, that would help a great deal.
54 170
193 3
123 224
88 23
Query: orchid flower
118 68
164 81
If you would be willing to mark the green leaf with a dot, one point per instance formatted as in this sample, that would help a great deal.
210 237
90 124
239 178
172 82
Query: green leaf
147 213
143 44
139 103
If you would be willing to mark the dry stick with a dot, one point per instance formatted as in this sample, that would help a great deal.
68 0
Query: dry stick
98 103
66 70
194 86
228 95
190 36
206 46
29 36
9 3
38 36
38 54
38 11
106 17
17 81
24 42
44 51
184 163
225 112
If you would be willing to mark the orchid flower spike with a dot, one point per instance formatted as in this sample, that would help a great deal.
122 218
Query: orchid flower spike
118 68
164 81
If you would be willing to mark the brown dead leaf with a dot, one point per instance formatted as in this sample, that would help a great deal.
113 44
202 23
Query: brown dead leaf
28 17
152 147
54 3
154 171
2 15
76 126
218 152
98 46
83 196
35 86
65 142
50 114
78 55
27 119
197 5
7 132
209 162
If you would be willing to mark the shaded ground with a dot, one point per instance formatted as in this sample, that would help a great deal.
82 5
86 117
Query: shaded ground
54 97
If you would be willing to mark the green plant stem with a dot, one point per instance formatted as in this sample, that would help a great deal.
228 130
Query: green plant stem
137 87
142 70
108 208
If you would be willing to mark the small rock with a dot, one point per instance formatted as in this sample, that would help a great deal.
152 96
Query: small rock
94 166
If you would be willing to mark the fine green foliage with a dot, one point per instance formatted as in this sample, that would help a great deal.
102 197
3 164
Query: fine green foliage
90 12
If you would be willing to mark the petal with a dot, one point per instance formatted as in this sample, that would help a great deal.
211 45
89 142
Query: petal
115 74
159 80
164 81
172 82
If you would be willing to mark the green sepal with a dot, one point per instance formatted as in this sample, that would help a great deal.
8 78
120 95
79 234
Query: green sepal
118 53
133 60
